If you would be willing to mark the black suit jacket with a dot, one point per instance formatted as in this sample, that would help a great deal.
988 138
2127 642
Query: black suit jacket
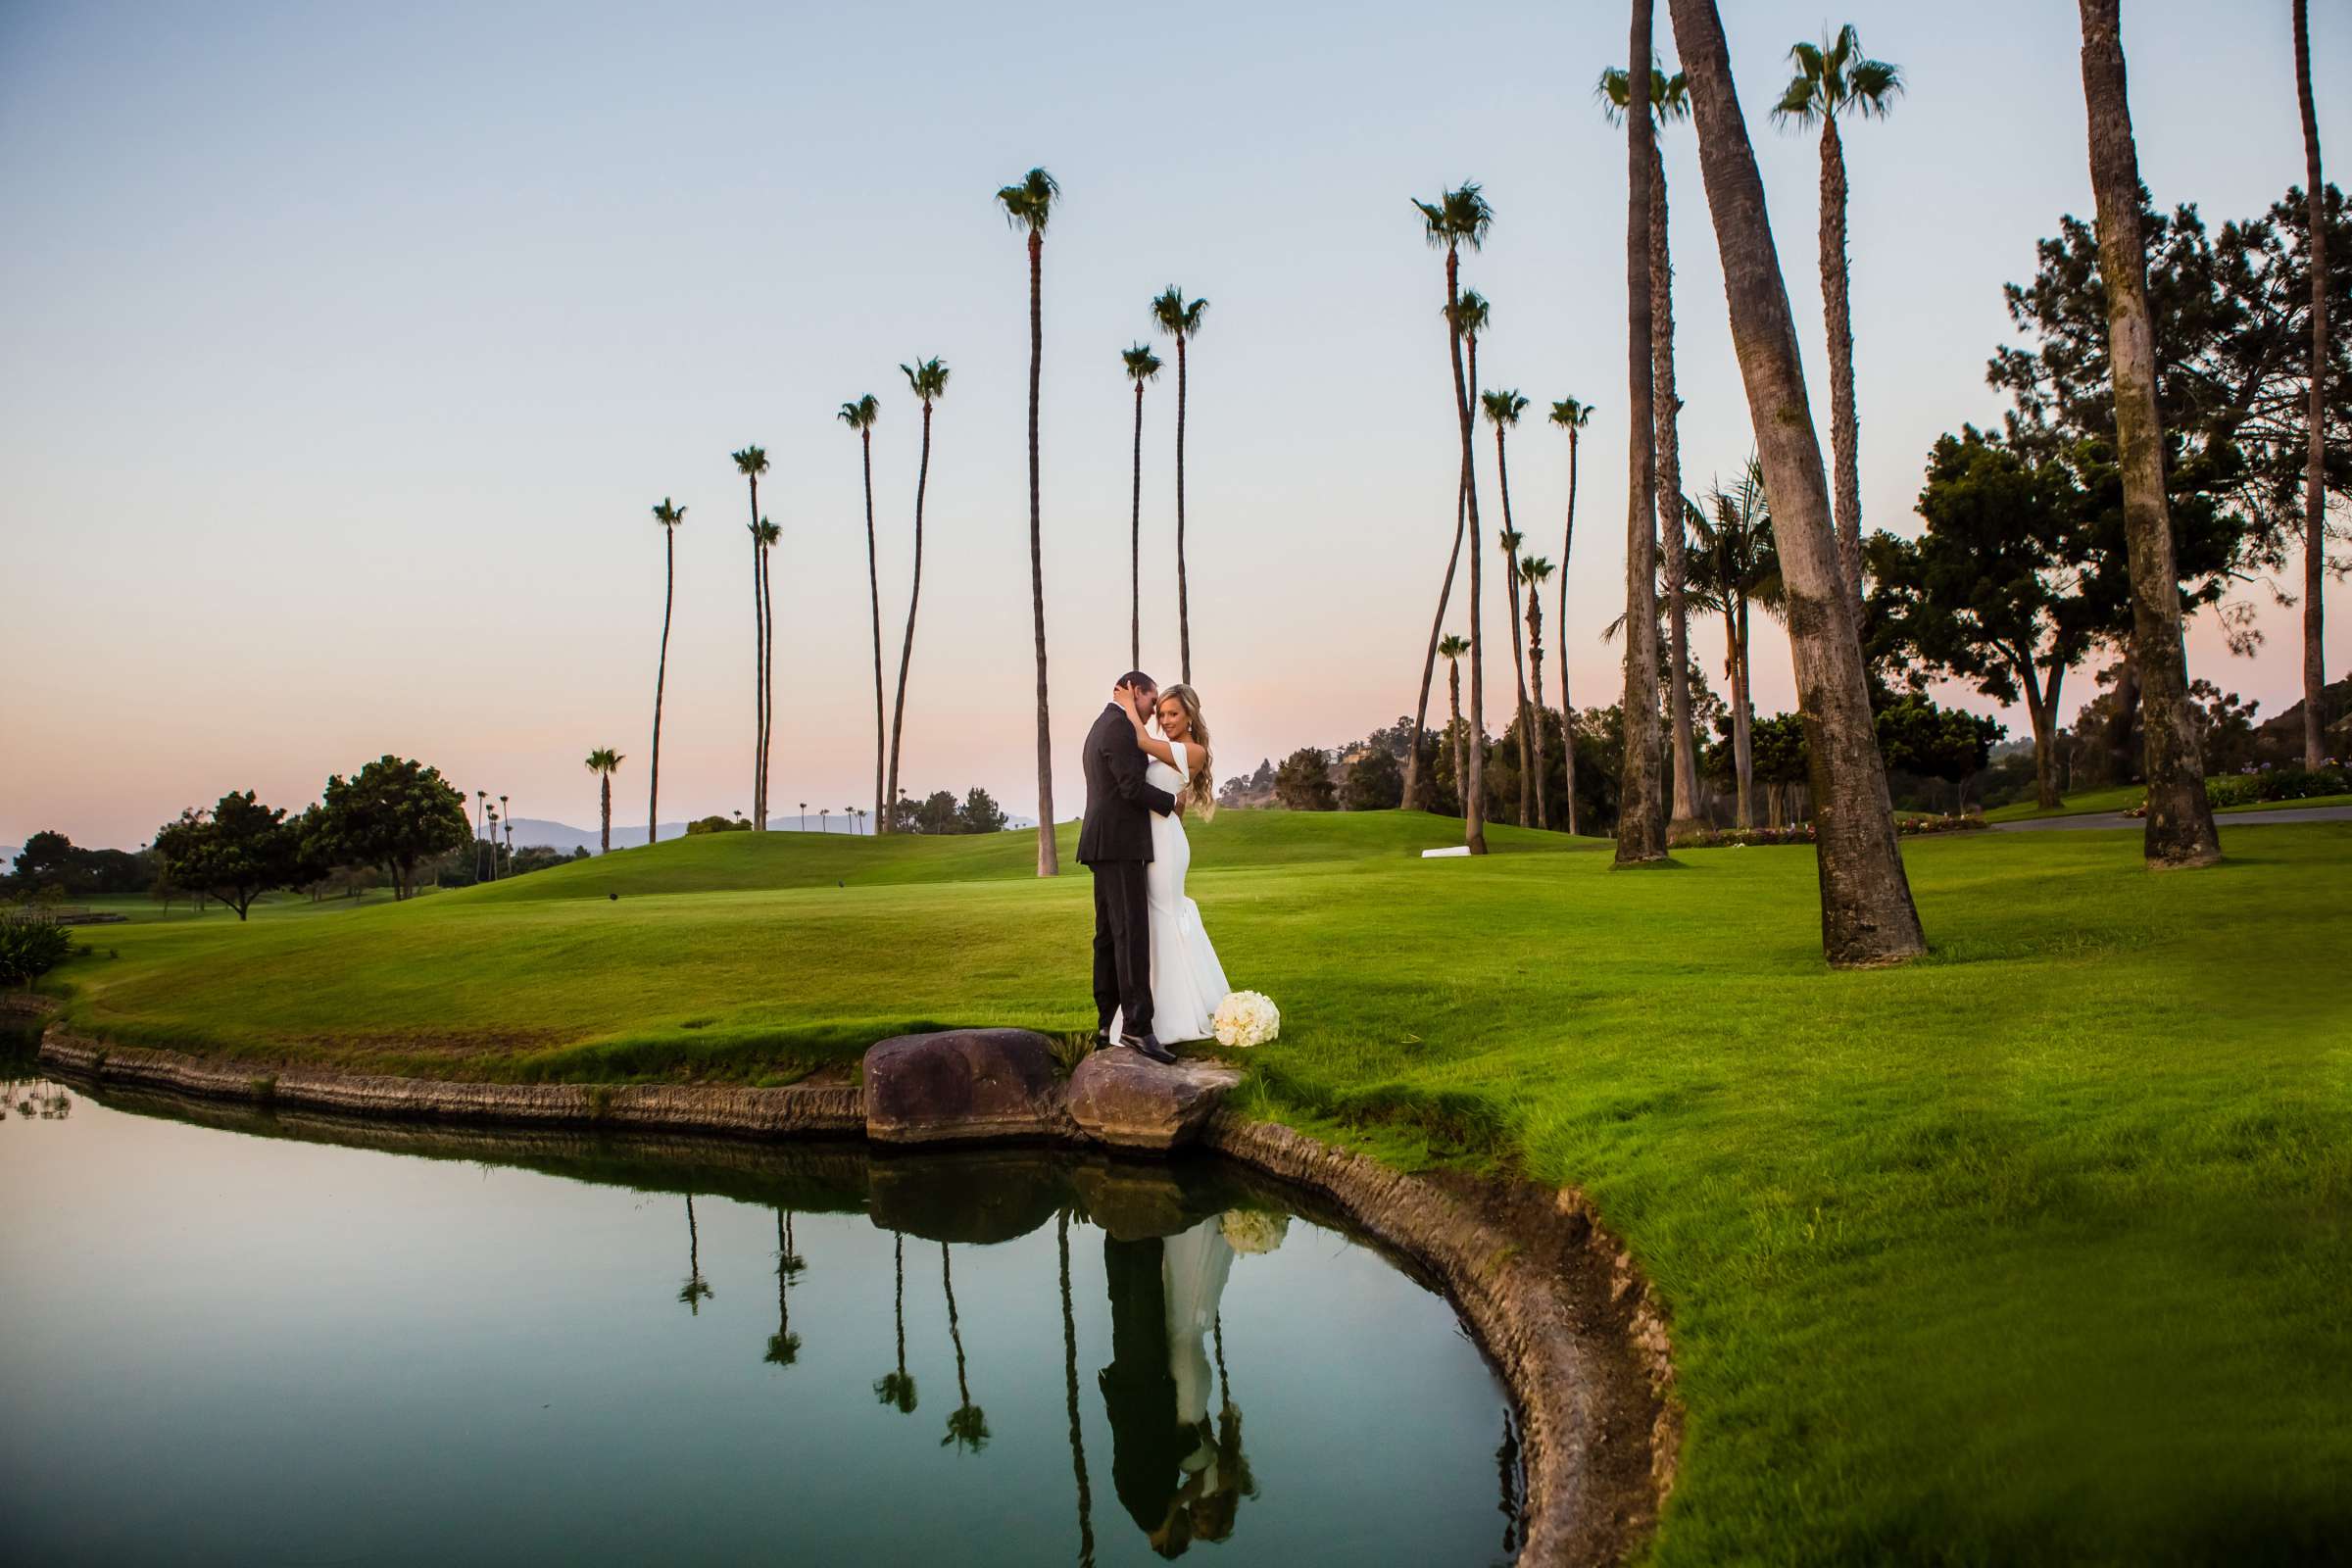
1119 800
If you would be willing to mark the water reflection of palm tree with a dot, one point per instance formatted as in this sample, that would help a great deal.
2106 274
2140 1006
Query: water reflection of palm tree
1069 1373
1514 1486
697 1290
967 1426
784 1346
897 1388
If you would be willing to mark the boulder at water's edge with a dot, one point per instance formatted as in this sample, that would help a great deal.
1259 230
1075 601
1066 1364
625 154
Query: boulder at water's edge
1124 1098
964 1084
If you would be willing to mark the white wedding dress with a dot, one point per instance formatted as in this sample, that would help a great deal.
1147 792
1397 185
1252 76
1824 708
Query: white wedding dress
1187 981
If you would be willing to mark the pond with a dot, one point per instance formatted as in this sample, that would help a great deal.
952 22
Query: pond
234 1337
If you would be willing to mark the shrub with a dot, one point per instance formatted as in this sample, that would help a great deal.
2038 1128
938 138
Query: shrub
1804 832
30 949
2232 789
2274 784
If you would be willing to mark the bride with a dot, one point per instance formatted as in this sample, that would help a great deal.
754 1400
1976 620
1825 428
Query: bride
1187 981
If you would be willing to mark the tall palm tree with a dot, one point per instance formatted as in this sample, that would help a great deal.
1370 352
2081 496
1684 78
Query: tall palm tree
2179 831
1142 365
1180 319
1669 101
1536 571
1457 217
1833 79
1451 651
860 415
481 802
764 538
1866 915
1503 412
603 763
697 1290
1069 1380
927 379
669 517
1734 566
896 1388
2315 462
508 818
968 1424
1469 315
1572 416
493 843
1639 839
751 463
1029 206
784 1346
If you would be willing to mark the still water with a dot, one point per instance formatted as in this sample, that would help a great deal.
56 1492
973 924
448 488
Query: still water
228 1337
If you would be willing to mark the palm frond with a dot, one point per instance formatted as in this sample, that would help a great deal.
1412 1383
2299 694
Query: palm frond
751 460
1030 204
1142 363
927 379
1570 414
1535 571
1504 406
1453 647
668 516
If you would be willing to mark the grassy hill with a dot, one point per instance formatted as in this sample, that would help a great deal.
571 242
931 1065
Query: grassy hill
2036 1250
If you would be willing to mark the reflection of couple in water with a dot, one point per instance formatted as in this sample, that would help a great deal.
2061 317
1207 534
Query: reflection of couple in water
1180 1477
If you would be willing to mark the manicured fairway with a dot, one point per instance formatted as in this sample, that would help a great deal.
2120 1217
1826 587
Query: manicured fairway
2039 1248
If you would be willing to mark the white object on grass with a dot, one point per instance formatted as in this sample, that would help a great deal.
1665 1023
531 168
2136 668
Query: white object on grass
1440 854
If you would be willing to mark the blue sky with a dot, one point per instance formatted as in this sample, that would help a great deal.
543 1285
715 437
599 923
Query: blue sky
344 349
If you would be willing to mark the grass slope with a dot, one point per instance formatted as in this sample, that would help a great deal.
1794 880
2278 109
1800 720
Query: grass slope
2034 1251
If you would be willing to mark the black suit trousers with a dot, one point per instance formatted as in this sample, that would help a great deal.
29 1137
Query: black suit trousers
1122 943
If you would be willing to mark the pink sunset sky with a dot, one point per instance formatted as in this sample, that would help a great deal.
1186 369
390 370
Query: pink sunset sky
346 353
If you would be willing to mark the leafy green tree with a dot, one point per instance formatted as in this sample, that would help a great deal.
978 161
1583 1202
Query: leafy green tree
1835 78
51 860
396 813
927 379
668 517
1303 781
1375 783
2179 831
1029 207
1669 102
1503 411
860 415
1868 917
238 851
1457 217
603 763
1572 416
751 463
979 813
1142 365
1181 318
1990 592
1919 738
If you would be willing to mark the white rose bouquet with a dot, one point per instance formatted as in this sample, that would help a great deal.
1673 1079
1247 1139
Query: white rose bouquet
1251 1231
1247 1018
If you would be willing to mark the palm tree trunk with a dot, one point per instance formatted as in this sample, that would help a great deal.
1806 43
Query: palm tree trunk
1049 857
1429 659
1461 754
759 656
1743 763
1474 800
1184 604
874 586
604 790
1135 545
1866 910
2315 462
1844 433
914 599
768 680
1670 504
653 803
1511 581
2179 830
1560 630
1641 840
1535 670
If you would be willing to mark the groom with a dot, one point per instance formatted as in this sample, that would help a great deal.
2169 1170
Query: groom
1115 843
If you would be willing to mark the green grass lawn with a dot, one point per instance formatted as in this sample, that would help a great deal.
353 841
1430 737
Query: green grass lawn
2123 797
2037 1249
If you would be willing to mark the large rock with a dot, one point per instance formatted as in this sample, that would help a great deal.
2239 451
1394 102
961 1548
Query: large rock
962 1086
969 1195
1124 1098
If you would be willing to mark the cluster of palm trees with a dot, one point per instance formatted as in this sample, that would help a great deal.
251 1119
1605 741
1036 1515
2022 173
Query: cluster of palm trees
488 820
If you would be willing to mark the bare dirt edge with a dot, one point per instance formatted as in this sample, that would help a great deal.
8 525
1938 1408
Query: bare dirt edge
1550 1294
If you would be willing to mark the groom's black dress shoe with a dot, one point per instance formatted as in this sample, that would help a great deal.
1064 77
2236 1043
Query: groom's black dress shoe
1101 1041
1151 1048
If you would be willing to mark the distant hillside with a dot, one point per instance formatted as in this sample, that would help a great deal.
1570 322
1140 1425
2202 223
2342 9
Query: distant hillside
9 853
530 830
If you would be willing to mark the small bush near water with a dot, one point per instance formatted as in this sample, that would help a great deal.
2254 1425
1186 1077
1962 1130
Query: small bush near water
30 949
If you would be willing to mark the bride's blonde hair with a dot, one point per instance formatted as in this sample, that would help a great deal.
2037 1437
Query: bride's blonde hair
1200 791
